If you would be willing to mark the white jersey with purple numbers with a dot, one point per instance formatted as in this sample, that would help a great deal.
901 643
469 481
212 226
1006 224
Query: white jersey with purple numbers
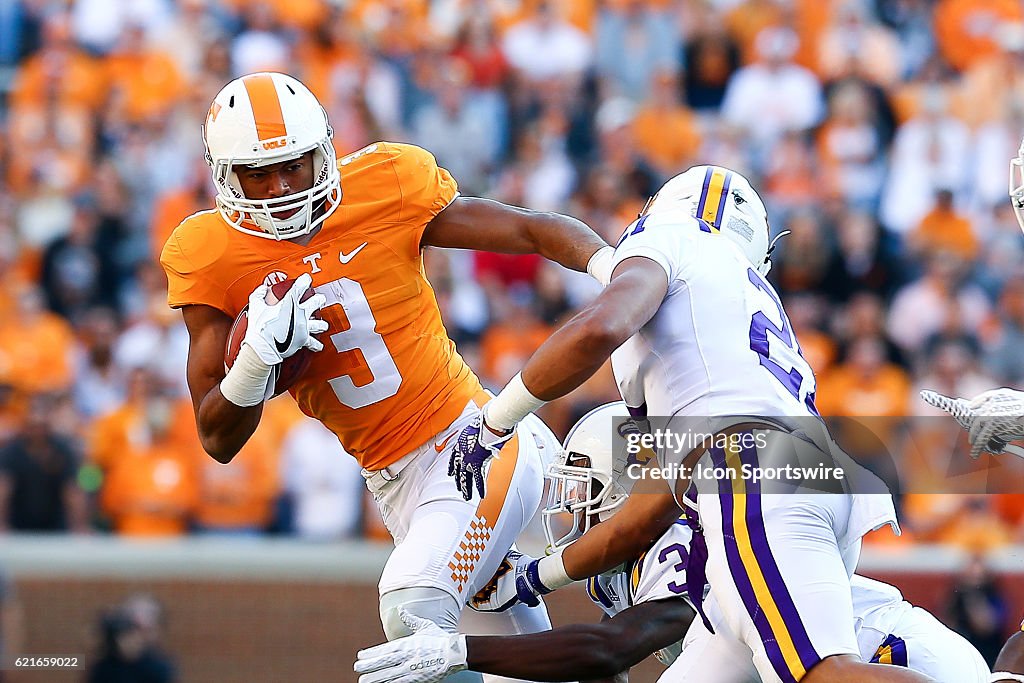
721 343
658 574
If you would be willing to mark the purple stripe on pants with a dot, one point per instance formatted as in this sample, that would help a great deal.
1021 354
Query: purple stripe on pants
770 570
739 574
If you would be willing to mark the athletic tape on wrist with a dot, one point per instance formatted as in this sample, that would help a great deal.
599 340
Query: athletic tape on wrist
510 406
245 384
1000 676
551 572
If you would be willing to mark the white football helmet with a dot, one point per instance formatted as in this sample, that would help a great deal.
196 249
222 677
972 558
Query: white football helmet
266 118
725 201
587 478
1017 185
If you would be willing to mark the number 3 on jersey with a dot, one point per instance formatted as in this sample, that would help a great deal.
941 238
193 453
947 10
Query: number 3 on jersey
361 334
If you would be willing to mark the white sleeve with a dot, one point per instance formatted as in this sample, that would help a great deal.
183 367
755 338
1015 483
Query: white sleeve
626 367
659 238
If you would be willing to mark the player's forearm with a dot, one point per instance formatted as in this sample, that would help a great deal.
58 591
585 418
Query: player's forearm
644 517
573 354
567 653
562 239
225 427
477 223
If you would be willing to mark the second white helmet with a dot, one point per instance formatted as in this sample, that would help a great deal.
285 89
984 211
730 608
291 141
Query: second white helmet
589 478
262 119
725 201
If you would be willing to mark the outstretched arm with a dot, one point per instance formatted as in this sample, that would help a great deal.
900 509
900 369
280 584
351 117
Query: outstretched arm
488 225
567 359
568 653
647 514
583 651
575 352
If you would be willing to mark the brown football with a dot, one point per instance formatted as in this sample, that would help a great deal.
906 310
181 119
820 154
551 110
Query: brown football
287 373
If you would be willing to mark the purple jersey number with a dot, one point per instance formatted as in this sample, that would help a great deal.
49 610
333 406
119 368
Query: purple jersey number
680 566
760 328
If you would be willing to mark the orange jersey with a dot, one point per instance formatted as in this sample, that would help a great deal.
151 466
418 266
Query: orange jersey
389 378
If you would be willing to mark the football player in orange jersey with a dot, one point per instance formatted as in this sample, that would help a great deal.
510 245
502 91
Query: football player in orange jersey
389 383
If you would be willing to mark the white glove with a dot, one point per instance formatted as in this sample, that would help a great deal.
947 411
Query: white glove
427 656
998 418
277 331
992 419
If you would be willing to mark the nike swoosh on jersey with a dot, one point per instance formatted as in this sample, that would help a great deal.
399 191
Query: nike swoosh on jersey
443 443
345 258
282 346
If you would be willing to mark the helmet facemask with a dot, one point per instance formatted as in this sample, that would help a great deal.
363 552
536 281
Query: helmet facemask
256 216
577 489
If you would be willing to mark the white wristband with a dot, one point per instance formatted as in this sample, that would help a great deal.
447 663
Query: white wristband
600 264
511 405
1000 676
246 383
551 570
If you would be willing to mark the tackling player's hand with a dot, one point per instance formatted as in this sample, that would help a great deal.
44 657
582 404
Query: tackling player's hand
516 580
427 656
277 331
998 420
992 419
476 444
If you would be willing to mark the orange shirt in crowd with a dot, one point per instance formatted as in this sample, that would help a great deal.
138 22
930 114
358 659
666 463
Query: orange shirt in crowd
967 29
123 431
818 349
506 346
240 495
667 137
943 230
969 522
152 491
73 77
144 85
35 352
846 392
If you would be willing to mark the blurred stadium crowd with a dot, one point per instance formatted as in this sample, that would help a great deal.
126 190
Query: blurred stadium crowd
878 131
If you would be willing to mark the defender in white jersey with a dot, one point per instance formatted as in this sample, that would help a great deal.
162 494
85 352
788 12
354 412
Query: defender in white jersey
707 336
644 604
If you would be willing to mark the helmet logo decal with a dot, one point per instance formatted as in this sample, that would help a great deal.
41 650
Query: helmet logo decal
712 197
215 108
276 144
266 106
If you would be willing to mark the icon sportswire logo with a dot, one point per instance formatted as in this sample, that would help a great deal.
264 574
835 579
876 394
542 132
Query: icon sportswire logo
345 258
